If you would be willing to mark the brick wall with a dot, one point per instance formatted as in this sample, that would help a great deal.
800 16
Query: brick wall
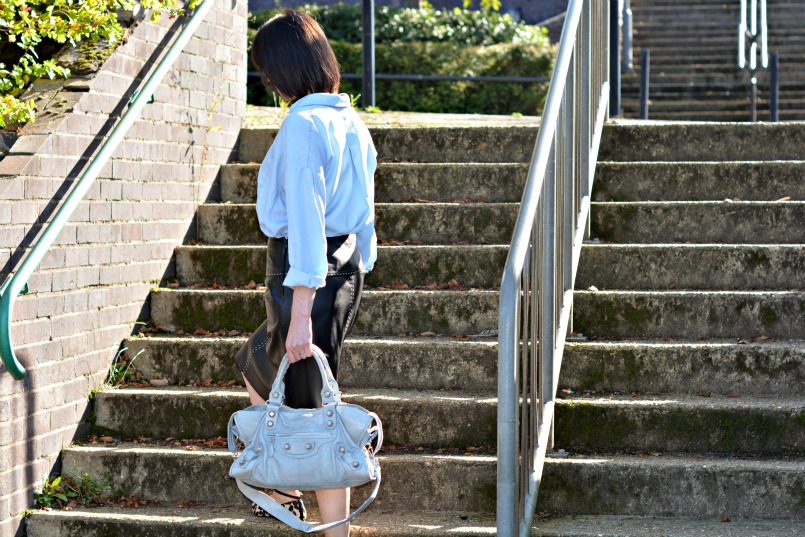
93 285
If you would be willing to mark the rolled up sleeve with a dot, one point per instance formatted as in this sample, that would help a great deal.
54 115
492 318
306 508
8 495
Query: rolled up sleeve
305 196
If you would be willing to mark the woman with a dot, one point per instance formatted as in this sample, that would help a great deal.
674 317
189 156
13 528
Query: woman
315 202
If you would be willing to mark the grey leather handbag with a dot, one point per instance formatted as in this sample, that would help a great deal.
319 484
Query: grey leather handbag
306 449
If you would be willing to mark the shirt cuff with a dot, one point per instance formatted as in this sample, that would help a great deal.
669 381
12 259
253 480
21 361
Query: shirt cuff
296 277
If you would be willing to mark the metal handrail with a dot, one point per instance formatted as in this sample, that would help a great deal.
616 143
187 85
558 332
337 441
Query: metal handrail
753 29
537 287
17 283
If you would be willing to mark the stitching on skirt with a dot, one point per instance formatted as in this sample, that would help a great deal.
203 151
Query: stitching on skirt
328 274
351 302
251 353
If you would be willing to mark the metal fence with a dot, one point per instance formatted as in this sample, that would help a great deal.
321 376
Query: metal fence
537 287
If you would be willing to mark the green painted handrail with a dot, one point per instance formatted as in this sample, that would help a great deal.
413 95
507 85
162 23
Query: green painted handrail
17 283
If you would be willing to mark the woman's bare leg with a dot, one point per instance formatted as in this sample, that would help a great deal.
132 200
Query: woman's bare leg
255 399
334 505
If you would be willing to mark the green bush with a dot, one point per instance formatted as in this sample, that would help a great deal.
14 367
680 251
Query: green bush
447 59
467 27
425 41
31 31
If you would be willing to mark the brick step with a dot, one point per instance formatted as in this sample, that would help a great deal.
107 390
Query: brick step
381 313
686 181
481 143
239 522
430 363
607 485
745 222
691 267
410 482
477 266
726 116
629 141
407 181
721 367
430 223
688 314
727 367
675 104
437 419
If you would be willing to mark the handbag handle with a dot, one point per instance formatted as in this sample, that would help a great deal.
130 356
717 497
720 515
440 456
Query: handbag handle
330 393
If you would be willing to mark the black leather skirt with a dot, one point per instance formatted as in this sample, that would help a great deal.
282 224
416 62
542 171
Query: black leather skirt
334 308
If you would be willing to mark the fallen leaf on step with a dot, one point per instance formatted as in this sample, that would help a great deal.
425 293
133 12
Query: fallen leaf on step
251 285
159 382
726 519
733 395
173 285
188 503
787 198
107 439
704 394
428 334
762 338
191 448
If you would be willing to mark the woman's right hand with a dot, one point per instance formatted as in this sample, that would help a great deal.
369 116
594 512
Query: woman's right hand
299 342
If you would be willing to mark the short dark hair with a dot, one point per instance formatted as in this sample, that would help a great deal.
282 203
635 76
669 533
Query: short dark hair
294 57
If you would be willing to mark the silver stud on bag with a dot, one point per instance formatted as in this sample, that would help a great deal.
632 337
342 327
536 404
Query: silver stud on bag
258 450
342 450
272 414
243 463
275 395
327 394
329 413
330 423
356 464
270 424
308 446
286 447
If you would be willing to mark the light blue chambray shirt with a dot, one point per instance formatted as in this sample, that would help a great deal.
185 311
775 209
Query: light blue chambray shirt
317 181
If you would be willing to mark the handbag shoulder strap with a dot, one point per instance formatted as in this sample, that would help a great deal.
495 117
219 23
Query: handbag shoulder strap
278 511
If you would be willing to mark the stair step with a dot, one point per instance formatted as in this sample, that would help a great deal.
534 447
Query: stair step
380 312
437 419
753 222
410 482
602 485
691 367
689 314
481 143
628 141
239 522
681 423
686 181
478 266
403 363
675 423
430 223
705 267
407 181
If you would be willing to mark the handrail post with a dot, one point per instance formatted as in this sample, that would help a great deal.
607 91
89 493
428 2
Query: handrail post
645 62
614 61
368 52
628 38
774 100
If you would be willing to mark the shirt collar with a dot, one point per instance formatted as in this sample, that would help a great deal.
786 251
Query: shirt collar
340 100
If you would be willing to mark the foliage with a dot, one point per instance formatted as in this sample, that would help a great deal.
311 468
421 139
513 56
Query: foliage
32 24
120 371
65 491
449 59
392 25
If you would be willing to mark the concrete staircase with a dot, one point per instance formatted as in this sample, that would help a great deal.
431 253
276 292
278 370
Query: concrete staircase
693 296
694 69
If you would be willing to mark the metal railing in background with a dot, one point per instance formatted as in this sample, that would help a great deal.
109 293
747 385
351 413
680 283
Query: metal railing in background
17 283
645 69
536 292
753 32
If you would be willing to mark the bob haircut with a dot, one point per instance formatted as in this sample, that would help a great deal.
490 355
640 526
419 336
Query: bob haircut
294 57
